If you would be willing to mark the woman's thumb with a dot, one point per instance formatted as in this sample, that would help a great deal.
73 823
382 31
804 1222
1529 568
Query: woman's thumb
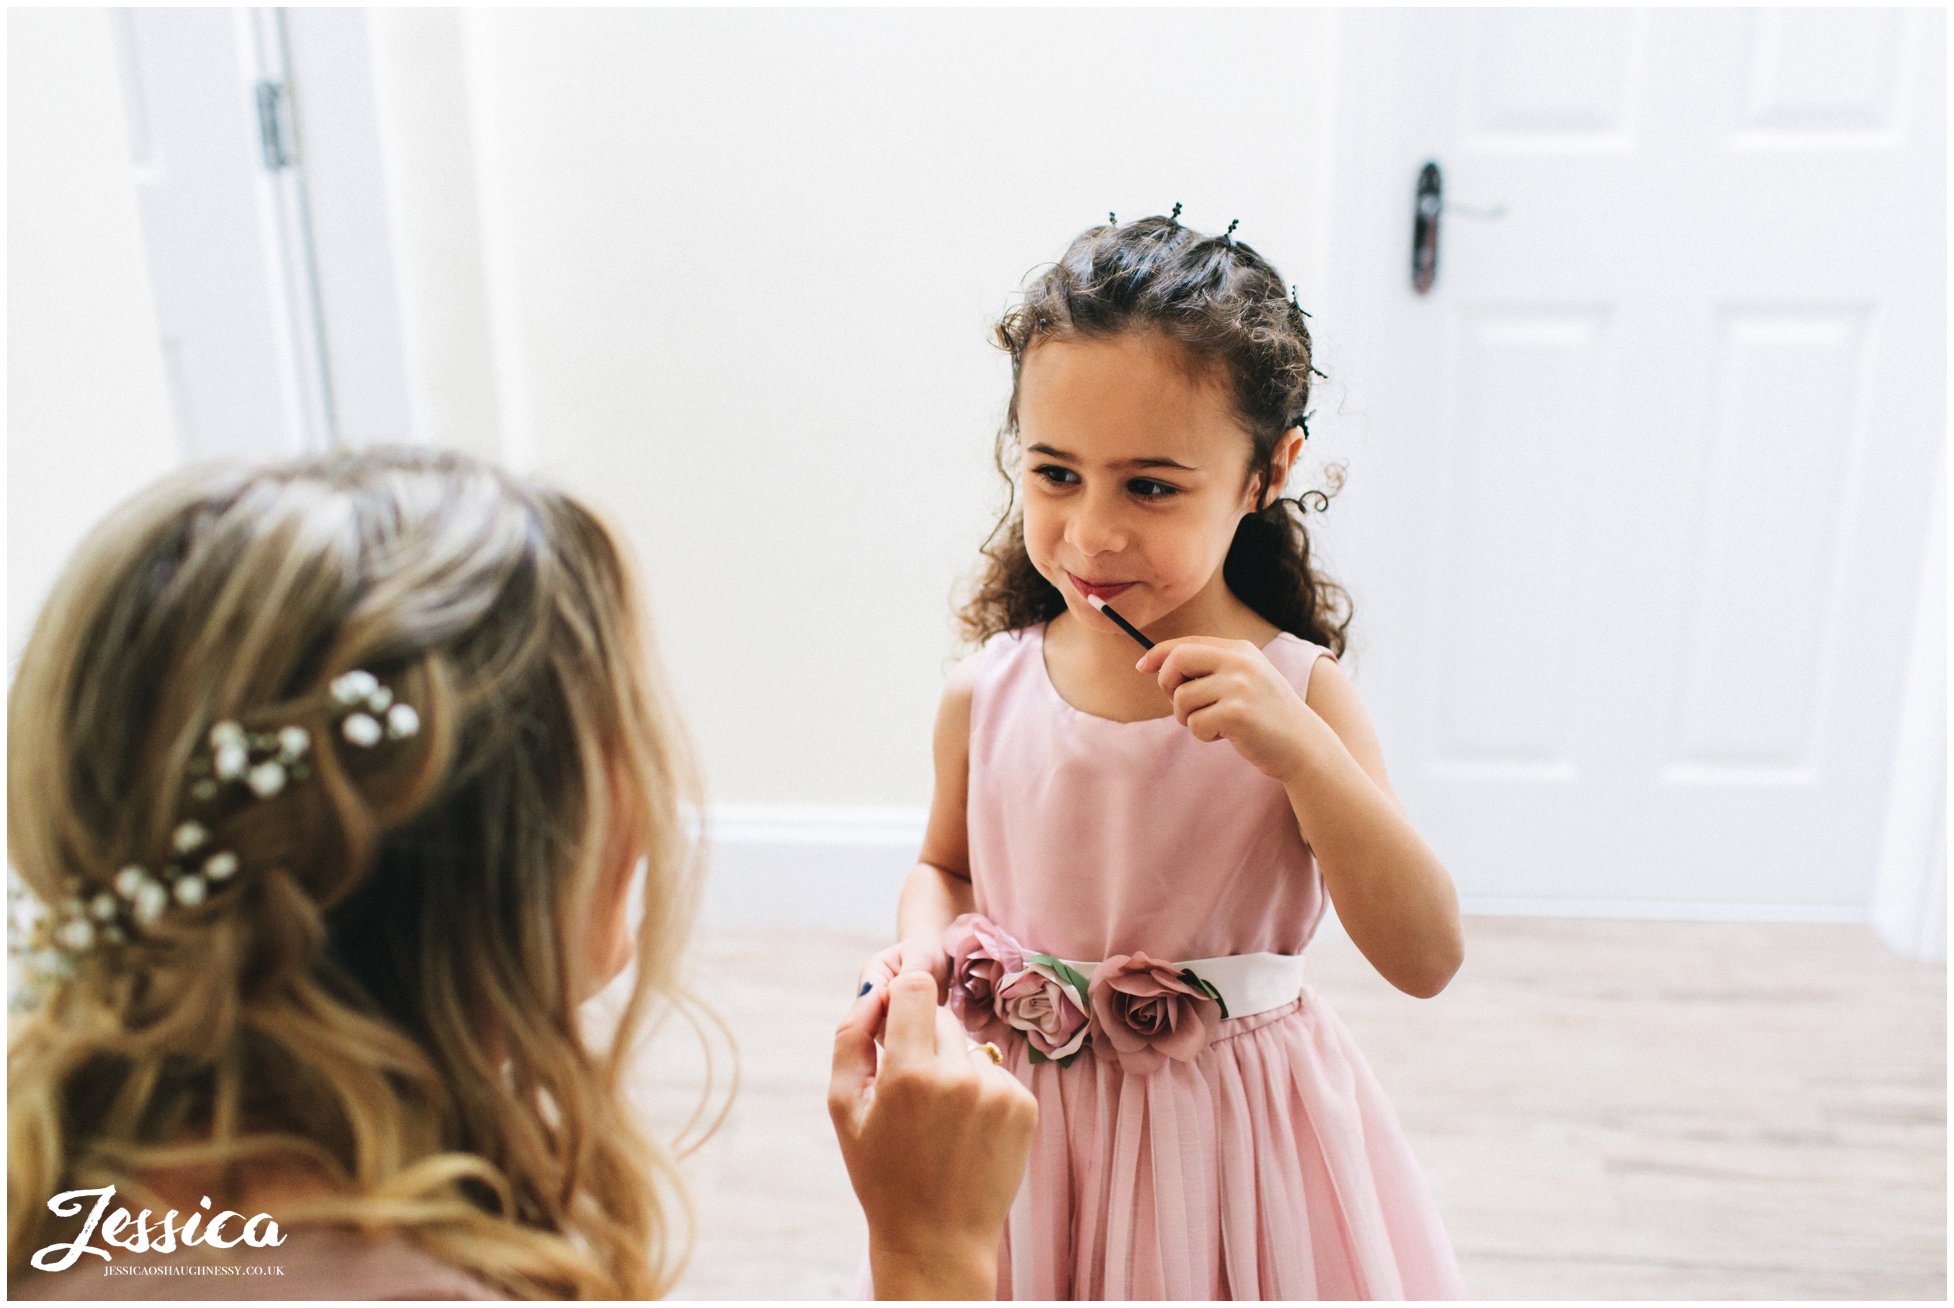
854 1057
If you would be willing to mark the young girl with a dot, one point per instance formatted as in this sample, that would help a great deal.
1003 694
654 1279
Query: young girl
333 778
1131 849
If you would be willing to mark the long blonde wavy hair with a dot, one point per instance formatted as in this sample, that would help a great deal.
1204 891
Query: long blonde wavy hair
388 991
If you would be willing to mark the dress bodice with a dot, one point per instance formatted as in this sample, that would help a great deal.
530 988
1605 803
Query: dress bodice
1091 837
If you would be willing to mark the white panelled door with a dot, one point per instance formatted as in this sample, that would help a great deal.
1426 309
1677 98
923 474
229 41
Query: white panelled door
1639 490
225 230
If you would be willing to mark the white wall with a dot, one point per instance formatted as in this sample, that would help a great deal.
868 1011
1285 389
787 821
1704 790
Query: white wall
737 270
729 273
88 419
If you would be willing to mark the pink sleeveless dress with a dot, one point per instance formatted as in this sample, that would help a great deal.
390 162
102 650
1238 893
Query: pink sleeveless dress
1270 1165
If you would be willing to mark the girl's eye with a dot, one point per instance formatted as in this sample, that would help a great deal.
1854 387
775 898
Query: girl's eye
1055 474
1149 489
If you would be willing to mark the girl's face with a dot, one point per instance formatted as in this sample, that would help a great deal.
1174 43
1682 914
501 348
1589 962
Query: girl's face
1135 475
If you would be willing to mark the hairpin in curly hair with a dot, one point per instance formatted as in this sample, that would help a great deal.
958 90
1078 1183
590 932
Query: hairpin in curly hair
1228 237
262 763
1112 219
1296 304
1175 217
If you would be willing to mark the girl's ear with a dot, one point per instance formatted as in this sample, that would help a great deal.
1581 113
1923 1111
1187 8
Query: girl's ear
1281 460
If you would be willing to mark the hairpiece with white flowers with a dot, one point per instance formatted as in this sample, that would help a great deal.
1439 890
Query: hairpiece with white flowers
365 713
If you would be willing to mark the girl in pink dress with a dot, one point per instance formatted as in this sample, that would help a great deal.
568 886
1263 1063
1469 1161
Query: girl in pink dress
1129 852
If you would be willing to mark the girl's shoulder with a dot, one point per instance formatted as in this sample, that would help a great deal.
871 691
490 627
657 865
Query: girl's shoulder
1014 636
1296 657
976 678
970 667
1002 646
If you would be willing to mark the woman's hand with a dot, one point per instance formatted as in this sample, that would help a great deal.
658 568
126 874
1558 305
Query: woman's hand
1228 690
935 1143
923 956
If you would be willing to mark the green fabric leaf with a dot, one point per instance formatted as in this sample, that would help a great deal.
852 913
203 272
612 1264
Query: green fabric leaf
1070 975
1206 987
1077 981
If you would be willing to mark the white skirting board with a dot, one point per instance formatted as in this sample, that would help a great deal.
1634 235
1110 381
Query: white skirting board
841 868
825 867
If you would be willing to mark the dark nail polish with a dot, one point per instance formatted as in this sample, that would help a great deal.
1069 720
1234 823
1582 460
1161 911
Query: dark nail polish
866 987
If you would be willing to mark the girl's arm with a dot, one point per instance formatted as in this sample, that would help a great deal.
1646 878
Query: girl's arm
937 889
1391 892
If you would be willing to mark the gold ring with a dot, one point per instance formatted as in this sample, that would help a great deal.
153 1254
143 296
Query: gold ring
988 1050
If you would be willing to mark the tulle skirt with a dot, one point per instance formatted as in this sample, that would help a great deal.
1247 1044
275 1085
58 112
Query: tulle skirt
1271 1166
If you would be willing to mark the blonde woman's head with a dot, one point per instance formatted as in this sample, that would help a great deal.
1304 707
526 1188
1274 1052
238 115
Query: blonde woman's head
388 988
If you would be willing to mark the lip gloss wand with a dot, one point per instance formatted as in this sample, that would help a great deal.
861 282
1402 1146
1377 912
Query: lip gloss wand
1124 625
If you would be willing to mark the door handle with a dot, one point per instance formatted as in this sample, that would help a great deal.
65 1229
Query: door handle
1429 203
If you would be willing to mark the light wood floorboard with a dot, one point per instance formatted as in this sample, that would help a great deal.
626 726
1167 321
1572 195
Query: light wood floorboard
1605 1109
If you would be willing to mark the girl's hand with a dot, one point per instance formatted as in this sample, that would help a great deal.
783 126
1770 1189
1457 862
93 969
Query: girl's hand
922 956
935 1143
1228 690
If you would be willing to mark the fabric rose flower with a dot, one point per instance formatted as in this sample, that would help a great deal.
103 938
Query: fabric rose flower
1149 1011
1045 1001
981 956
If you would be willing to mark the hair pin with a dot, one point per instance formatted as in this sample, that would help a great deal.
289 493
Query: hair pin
1175 217
1112 218
1296 304
1228 237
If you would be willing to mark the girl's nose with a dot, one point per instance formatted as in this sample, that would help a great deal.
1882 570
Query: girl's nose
1096 531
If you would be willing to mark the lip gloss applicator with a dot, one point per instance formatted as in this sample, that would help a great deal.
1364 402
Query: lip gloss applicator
1124 625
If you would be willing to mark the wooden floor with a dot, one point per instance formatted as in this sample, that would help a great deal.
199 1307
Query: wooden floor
1606 1110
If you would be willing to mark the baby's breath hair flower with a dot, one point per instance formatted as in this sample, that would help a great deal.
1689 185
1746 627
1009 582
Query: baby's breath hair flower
352 687
266 780
193 869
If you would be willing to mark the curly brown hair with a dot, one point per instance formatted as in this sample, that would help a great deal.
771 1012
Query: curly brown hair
1227 307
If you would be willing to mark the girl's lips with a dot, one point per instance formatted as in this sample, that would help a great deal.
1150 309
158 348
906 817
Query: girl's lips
1103 591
